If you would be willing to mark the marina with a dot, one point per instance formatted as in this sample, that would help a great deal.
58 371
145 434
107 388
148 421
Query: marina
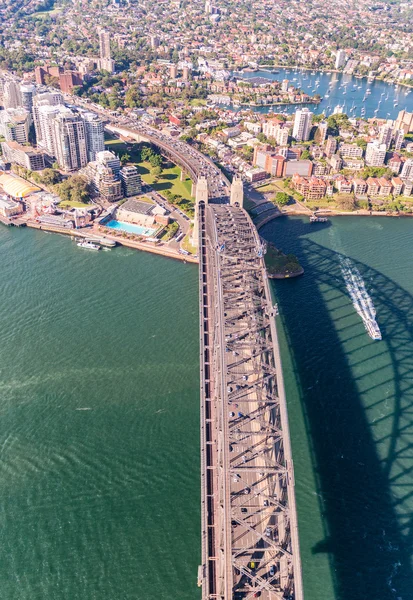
371 98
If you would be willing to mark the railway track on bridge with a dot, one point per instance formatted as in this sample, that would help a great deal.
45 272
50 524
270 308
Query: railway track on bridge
250 544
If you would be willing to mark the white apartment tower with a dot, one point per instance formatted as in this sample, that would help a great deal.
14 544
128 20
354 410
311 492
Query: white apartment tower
94 134
15 125
69 140
407 171
302 124
340 59
386 134
375 154
45 107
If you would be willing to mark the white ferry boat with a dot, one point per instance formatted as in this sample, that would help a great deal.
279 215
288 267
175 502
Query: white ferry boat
88 245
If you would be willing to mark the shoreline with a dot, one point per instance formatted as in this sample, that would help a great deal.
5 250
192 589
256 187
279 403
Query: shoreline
144 246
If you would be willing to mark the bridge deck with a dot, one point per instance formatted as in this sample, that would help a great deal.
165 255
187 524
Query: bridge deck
250 540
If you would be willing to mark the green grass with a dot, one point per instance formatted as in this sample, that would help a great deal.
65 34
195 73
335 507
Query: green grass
170 178
44 13
267 188
71 204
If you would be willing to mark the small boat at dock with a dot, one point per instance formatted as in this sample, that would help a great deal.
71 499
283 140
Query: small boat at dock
88 245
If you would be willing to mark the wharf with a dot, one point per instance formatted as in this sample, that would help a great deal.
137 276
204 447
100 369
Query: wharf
145 246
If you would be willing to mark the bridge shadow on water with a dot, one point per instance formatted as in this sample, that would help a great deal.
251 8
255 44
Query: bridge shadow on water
357 399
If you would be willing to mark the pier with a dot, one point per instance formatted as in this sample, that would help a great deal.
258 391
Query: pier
250 545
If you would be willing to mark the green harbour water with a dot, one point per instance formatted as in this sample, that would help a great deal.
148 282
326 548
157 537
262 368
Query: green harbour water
99 428
350 404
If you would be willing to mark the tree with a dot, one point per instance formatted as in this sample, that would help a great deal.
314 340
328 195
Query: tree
281 198
74 189
125 158
50 177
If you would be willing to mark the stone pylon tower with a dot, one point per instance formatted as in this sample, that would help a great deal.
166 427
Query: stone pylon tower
201 195
237 192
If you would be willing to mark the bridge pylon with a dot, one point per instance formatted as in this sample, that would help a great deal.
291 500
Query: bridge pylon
237 192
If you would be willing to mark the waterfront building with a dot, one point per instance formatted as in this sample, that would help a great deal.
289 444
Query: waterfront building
109 159
25 156
375 154
15 125
407 170
131 181
69 140
10 208
385 187
340 59
302 124
373 186
103 181
359 187
397 184
94 134
408 187
312 188
142 213
343 185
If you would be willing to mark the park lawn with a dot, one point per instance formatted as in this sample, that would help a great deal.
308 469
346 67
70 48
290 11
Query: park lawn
44 13
169 180
267 188
71 204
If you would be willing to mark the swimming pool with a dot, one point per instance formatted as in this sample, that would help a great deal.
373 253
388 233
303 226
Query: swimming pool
130 227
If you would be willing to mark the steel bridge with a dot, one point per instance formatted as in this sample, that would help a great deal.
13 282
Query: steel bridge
250 542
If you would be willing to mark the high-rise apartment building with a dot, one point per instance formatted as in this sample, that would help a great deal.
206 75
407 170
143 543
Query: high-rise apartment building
131 181
398 135
27 93
15 125
104 44
340 59
109 159
407 171
375 154
386 134
11 94
69 140
302 124
45 107
94 134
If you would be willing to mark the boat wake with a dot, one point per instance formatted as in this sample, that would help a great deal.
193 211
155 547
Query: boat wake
362 302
